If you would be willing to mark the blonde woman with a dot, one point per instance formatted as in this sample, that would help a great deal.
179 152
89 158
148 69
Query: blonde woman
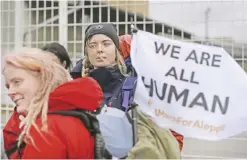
104 62
38 85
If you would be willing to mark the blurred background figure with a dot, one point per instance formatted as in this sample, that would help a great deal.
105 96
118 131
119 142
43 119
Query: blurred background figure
61 53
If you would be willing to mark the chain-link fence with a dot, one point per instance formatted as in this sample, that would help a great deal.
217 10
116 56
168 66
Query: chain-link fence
34 23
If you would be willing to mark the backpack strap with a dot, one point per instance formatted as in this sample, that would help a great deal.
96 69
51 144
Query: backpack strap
91 123
88 119
128 90
130 68
15 148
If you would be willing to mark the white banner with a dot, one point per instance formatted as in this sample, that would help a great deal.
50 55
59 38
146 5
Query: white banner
196 90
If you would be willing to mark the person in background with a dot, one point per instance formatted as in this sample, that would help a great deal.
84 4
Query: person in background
39 86
61 53
104 62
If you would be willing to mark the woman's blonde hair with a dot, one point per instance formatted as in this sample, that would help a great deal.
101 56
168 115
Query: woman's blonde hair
51 75
86 64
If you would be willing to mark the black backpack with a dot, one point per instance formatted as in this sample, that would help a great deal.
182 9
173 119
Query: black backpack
90 122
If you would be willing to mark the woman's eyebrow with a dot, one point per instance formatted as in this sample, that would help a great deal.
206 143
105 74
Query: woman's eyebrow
106 40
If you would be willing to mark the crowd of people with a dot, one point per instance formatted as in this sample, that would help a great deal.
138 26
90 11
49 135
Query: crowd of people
56 106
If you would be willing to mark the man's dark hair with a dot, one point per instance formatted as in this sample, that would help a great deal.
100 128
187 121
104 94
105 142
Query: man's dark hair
59 50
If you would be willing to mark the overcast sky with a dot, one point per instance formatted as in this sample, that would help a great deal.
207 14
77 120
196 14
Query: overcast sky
225 18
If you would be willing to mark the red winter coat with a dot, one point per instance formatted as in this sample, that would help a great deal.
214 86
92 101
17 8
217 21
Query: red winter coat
67 137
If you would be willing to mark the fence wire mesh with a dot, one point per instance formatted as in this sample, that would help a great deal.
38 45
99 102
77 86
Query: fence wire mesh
34 23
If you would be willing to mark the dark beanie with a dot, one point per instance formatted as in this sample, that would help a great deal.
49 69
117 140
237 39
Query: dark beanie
106 29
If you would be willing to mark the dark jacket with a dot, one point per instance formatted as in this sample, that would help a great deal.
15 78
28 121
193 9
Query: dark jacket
76 73
67 137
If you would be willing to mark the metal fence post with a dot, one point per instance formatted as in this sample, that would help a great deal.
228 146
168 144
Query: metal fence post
63 21
19 6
